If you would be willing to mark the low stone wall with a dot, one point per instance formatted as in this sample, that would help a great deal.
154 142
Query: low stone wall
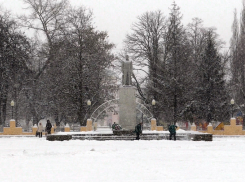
231 129
202 137
123 132
126 135
13 130
58 137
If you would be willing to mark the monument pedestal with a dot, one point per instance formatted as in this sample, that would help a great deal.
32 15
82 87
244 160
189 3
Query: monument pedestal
127 107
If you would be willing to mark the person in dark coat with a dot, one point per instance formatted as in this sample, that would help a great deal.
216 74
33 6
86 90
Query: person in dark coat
48 127
113 126
172 130
138 130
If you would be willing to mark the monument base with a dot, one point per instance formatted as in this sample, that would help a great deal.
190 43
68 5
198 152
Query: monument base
127 107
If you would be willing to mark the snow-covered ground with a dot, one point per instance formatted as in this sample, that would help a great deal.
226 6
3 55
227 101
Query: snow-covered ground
31 159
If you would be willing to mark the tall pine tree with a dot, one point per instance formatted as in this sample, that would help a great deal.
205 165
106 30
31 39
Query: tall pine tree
174 68
211 93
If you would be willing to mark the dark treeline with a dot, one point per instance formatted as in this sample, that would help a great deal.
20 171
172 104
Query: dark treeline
186 67
56 72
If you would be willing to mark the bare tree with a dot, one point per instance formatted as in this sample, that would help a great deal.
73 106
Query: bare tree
46 18
145 43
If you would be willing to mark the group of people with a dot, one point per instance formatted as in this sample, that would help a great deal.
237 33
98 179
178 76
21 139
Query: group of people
138 130
171 129
40 129
115 126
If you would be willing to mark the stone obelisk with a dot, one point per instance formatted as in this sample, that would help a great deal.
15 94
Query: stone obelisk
127 98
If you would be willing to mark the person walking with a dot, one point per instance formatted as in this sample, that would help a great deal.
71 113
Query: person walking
172 130
40 130
48 127
110 125
138 130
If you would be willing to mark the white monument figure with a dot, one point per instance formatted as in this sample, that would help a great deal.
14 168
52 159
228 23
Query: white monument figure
127 69
127 98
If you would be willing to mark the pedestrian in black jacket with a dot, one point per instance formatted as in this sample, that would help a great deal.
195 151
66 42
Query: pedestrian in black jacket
138 130
48 127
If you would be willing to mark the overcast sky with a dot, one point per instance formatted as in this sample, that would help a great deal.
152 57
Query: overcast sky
117 16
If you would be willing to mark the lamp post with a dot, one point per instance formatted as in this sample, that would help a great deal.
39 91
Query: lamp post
232 104
89 104
153 103
12 105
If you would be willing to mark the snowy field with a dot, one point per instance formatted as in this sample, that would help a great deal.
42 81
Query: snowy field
31 159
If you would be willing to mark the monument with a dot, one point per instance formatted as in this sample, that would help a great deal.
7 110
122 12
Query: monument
127 69
127 98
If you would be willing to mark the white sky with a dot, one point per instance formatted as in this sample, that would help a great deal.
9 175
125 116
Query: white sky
117 16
